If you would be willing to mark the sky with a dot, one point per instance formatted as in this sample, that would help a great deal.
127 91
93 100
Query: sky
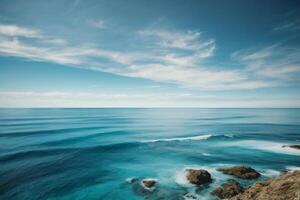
158 53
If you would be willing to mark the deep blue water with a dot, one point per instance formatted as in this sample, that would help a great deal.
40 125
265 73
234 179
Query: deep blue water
92 153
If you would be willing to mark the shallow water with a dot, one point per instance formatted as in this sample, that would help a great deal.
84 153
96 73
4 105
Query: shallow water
93 153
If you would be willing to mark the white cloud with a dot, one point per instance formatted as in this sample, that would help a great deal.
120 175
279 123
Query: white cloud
191 77
276 61
174 57
14 47
51 50
55 41
13 30
179 40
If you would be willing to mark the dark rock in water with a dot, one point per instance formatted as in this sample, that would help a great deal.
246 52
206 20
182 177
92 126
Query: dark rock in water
294 146
140 190
243 172
143 187
148 183
227 190
285 187
198 176
158 192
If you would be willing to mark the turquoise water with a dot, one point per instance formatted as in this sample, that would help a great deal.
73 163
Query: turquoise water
94 153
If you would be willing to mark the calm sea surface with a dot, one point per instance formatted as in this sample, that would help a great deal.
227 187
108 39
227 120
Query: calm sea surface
95 153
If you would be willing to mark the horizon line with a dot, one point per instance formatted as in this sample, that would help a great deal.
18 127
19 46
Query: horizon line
156 107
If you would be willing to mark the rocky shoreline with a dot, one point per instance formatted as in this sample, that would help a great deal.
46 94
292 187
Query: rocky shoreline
284 187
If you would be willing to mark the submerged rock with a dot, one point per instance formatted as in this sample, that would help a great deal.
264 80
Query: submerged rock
148 183
243 172
285 187
294 146
191 196
131 180
227 190
198 176
145 189
139 190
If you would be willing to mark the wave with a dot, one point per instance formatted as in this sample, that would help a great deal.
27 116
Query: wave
73 140
270 173
197 137
181 179
54 151
275 147
50 131
292 168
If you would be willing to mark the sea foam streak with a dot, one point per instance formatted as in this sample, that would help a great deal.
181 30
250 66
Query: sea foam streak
198 137
270 172
265 146
292 168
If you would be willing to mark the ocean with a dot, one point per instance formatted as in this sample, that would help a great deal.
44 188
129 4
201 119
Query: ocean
91 154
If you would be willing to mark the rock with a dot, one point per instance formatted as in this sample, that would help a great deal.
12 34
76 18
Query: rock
227 190
294 146
143 187
149 183
158 192
198 176
285 187
243 172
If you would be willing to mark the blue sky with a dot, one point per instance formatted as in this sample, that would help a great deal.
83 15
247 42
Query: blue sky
202 53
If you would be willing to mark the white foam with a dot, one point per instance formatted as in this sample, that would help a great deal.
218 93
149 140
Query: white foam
129 179
198 137
206 154
180 178
229 135
292 168
270 173
191 196
264 145
180 175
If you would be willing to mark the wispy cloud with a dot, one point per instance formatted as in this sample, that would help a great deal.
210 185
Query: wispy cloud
278 62
189 40
55 41
16 31
181 62
100 24
288 26
177 57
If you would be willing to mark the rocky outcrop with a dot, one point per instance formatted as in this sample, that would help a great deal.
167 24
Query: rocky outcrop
198 176
148 183
227 190
285 187
243 172
294 146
